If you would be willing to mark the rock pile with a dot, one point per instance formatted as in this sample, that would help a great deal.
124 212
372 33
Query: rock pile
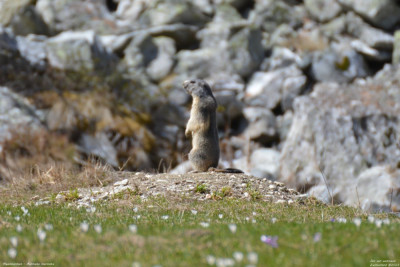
308 91
201 186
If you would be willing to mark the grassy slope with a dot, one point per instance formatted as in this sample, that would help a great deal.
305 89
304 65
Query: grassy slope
181 240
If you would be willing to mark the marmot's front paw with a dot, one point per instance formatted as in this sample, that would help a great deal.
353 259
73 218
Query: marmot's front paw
188 133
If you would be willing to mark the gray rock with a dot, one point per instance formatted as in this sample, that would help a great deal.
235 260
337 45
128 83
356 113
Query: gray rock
373 37
262 125
8 43
141 51
284 123
99 145
201 63
184 35
383 13
245 51
396 49
270 14
77 51
279 87
182 168
223 81
241 54
376 190
160 66
236 3
321 192
341 131
229 107
265 163
205 6
335 27
17 115
170 12
341 64
27 21
281 57
130 10
371 53
33 49
63 15
8 9
323 10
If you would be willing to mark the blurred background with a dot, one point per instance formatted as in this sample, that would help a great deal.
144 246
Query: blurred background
308 91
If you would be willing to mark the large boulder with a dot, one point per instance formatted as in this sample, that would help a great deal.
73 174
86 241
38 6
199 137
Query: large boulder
377 189
275 88
339 132
17 115
153 56
63 15
77 51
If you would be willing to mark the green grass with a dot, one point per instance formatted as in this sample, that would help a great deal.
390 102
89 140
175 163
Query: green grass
181 240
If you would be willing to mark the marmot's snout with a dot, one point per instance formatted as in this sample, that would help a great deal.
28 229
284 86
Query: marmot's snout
188 85
197 87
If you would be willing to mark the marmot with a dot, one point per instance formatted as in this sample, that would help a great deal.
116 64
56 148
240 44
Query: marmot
202 126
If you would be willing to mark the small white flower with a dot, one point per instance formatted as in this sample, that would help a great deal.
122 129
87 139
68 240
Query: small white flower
204 224
225 262
97 228
247 219
17 218
342 220
220 216
165 217
24 210
9 213
133 228
136 264
41 235
273 220
246 194
238 256
14 241
92 209
254 213
357 221
232 228
253 221
135 209
210 260
386 221
48 226
371 219
12 253
194 212
19 228
252 257
378 223
84 227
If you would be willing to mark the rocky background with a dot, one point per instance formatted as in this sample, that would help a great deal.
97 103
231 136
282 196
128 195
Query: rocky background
308 91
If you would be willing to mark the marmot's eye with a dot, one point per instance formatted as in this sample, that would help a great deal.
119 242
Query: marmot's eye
192 81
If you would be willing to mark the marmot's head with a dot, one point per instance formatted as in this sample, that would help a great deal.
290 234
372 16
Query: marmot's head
197 87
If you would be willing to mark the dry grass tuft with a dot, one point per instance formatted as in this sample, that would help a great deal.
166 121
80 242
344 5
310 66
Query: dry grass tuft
42 181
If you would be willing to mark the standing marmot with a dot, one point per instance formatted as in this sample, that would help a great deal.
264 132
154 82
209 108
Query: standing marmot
202 126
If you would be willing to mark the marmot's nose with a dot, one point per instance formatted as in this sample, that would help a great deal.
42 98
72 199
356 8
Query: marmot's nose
187 82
